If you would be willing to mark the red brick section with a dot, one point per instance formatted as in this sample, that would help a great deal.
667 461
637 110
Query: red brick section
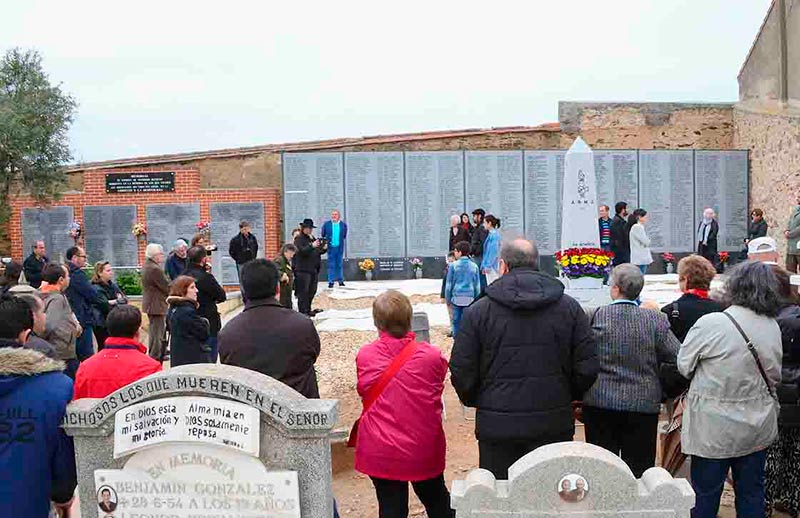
187 190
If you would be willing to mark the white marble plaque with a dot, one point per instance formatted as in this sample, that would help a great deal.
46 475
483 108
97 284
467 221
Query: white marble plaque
544 179
494 183
434 192
375 205
666 188
201 419
313 187
617 177
195 481
721 183
225 218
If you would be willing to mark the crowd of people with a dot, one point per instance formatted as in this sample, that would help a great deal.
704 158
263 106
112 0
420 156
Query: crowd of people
526 356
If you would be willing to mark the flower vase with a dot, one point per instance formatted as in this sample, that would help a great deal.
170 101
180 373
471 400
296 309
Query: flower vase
670 268
368 275
418 273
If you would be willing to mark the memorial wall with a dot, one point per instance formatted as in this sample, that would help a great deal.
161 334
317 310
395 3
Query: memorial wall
398 204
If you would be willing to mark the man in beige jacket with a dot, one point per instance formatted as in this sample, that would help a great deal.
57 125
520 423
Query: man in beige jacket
155 289
61 326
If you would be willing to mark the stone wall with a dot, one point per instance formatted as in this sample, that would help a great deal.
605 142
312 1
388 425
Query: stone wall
773 137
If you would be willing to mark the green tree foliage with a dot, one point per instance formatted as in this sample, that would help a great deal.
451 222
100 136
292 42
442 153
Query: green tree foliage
34 119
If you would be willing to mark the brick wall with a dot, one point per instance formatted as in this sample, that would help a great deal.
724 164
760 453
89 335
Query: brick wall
773 136
187 190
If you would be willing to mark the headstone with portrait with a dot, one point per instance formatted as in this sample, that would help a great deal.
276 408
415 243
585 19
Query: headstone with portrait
203 441
572 479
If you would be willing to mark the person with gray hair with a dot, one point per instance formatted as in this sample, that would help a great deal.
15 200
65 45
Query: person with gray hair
733 359
621 409
155 289
457 232
177 262
522 354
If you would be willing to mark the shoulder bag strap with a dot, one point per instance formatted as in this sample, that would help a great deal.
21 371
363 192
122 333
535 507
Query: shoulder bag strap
397 363
752 348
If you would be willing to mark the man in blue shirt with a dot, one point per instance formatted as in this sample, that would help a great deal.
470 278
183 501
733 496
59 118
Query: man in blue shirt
335 232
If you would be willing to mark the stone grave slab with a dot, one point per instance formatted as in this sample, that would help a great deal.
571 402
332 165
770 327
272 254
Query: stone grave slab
572 479
107 230
225 219
204 441
50 225
168 222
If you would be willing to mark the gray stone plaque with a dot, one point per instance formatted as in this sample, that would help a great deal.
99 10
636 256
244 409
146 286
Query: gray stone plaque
434 192
225 218
313 187
375 205
617 177
107 230
50 225
544 181
169 222
203 441
494 183
666 191
721 183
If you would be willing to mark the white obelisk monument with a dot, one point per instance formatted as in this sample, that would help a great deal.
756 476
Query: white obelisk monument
579 210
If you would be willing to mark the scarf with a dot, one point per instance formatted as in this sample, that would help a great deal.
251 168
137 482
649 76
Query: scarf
704 230
703 294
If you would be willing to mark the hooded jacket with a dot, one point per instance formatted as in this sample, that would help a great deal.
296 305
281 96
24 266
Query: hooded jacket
37 458
121 362
188 333
522 354
62 327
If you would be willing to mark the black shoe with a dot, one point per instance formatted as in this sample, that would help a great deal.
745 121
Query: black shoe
341 283
330 285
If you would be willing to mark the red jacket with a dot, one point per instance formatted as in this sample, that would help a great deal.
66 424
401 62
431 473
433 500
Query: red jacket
121 362
401 436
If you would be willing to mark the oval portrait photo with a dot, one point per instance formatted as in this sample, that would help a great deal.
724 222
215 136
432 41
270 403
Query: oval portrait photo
573 488
107 499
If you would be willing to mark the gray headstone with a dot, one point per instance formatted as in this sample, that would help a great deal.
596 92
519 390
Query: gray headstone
225 219
50 225
107 230
572 479
421 326
171 221
203 440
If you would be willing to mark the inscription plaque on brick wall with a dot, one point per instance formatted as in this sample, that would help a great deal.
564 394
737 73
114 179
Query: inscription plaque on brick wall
225 218
107 230
140 182
171 221
50 225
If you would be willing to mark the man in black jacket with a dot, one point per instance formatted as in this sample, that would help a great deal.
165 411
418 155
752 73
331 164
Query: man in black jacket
306 263
522 354
620 238
476 246
209 294
268 338
243 247
34 265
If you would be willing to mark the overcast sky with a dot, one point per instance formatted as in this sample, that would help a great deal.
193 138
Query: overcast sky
173 76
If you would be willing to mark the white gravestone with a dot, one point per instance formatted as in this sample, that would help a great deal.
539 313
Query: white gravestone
579 227
203 441
572 479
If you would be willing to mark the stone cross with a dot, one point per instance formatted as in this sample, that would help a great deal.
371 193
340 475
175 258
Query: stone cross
204 440
572 479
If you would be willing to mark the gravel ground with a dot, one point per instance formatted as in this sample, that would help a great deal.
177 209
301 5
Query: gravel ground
323 301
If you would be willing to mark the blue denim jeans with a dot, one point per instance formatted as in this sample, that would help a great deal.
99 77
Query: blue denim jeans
457 312
84 346
643 268
708 479
213 342
335 264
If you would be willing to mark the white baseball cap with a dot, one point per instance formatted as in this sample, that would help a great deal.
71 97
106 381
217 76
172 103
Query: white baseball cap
762 245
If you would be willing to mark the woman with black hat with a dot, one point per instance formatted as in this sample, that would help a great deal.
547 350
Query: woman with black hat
306 263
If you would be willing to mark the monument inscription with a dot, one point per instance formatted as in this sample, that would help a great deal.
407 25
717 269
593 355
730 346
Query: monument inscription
214 442
225 219
617 177
544 185
171 221
107 230
494 183
50 225
721 183
313 187
666 188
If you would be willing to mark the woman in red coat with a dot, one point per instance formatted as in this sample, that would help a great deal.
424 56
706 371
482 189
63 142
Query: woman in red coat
400 435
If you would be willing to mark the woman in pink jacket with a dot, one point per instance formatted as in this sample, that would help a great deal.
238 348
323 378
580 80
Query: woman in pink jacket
400 434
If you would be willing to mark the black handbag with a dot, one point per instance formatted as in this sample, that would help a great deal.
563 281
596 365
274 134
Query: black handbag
752 348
